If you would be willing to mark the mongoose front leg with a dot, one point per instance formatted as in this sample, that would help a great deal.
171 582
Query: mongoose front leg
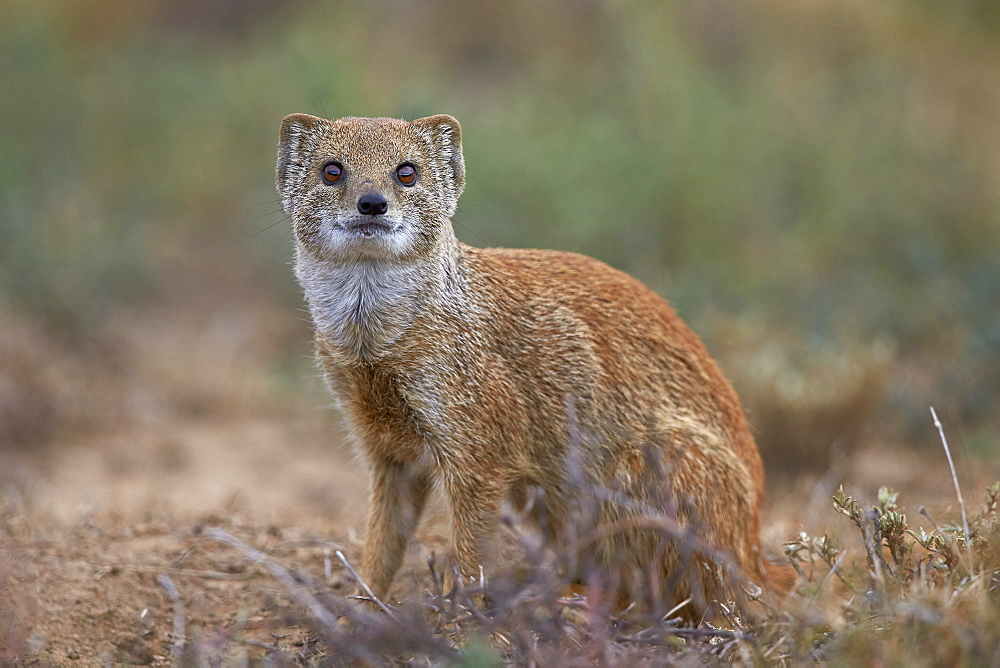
398 494
475 507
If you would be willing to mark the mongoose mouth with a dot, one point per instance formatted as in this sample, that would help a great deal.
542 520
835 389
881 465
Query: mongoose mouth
368 229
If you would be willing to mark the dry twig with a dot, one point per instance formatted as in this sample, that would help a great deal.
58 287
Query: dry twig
364 586
319 611
958 489
177 647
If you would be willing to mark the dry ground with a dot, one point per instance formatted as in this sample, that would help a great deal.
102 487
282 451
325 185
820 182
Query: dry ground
93 524
91 521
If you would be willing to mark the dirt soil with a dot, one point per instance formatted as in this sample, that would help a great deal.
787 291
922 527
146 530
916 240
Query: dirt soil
92 527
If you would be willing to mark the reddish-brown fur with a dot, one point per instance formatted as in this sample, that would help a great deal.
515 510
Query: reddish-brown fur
544 378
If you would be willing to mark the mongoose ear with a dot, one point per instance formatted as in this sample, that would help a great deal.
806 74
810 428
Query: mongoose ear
444 135
294 129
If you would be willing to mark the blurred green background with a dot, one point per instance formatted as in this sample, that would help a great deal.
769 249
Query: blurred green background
815 186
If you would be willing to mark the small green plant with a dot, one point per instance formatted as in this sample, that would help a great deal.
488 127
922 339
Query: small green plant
892 547
806 549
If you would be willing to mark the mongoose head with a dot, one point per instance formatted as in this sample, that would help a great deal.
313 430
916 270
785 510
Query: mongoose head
370 188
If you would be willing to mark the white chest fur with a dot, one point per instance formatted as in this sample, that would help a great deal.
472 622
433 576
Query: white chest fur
362 307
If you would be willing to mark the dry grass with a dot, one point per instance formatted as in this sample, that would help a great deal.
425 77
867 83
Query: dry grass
918 596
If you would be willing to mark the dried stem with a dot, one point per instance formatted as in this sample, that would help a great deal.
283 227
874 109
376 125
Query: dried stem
958 489
280 572
833 570
357 578
177 648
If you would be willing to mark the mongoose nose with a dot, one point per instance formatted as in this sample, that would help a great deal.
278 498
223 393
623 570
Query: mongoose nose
372 204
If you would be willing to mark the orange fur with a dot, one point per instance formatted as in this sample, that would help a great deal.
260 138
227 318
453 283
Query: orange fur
781 579
541 377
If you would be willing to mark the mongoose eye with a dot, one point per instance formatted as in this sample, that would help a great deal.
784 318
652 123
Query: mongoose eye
406 174
331 172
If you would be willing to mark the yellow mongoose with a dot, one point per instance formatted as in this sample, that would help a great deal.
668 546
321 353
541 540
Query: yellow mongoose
544 378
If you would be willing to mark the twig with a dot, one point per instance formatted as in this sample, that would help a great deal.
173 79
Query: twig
193 573
327 618
774 648
364 586
177 648
833 570
874 558
305 542
923 511
183 555
677 607
710 633
257 643
958 489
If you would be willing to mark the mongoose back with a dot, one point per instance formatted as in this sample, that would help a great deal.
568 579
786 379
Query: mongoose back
546 379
